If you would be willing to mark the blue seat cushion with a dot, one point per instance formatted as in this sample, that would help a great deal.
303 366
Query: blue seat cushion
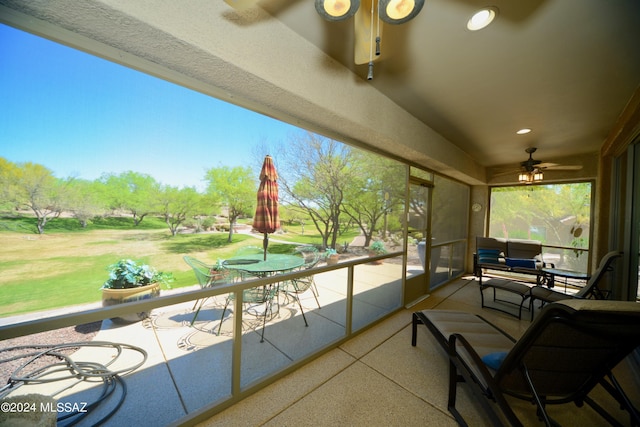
491 256
519 262
494 360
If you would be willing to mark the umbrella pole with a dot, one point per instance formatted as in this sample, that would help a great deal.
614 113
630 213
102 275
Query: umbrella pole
265 243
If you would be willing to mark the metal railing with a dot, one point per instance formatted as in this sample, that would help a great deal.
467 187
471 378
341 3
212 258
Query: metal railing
238 389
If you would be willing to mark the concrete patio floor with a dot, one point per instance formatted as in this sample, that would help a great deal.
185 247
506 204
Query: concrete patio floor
378 379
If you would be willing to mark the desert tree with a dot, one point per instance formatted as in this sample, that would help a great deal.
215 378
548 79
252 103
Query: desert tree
34 187
234 189
132 192
317 177
176 205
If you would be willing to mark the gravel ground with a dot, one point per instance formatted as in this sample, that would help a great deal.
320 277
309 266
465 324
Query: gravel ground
72 334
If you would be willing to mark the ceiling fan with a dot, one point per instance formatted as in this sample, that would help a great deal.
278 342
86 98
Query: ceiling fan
531 164
531 170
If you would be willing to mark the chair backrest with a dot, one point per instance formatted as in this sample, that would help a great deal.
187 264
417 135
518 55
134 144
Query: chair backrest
258 295
205 273
596 277
569 348
525 249
491 243
310 254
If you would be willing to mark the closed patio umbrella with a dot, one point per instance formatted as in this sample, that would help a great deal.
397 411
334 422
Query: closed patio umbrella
266 219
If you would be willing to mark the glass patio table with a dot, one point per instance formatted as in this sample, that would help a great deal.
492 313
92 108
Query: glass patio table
552 273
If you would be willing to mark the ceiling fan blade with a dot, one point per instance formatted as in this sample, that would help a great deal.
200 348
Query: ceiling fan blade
546 165
241 4
563 168
511 172
365 41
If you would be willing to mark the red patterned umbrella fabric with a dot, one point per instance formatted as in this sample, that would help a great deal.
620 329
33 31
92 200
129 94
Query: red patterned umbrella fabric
266 219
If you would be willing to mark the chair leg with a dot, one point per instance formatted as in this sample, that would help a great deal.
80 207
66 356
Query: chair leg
542 412
453 388
615 390
267 309
415 321
524 299
222 317
312 286
297 297
532 307
314 290
197 311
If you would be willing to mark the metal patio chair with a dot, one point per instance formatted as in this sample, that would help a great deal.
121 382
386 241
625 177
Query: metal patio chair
298 286
546 295
252 298
207 276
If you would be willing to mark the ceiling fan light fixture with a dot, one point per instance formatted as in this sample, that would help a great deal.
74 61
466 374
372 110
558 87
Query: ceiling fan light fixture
523 177
399 11
337 10
526 177
482 18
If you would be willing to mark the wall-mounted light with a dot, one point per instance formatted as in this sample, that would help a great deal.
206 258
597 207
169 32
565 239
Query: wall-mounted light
337 10
390 11
399 11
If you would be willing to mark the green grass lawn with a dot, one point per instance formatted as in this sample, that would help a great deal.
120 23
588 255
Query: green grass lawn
67 265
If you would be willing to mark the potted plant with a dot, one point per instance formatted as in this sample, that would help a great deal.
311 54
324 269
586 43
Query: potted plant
218 272
132 281
331 256
375 249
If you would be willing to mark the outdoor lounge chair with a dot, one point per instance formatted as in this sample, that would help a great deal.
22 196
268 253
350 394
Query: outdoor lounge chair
546 295
569 349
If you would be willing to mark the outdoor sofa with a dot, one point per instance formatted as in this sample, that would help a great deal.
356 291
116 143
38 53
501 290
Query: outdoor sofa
508 255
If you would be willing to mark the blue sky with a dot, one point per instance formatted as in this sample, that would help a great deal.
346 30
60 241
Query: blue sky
82 116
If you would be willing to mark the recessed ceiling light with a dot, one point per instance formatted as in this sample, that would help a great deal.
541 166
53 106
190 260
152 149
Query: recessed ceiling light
523 131
482 18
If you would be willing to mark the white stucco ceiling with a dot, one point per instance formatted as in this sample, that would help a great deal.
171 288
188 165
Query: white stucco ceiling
565 68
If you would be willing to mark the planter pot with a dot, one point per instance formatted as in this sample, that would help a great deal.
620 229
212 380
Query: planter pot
376 262
422 253
219 276
119 296
333 259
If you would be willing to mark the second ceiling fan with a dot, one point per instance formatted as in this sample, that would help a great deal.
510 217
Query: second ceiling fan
532 164
531 170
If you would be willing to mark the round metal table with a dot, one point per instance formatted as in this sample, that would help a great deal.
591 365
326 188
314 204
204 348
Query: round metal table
256 265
